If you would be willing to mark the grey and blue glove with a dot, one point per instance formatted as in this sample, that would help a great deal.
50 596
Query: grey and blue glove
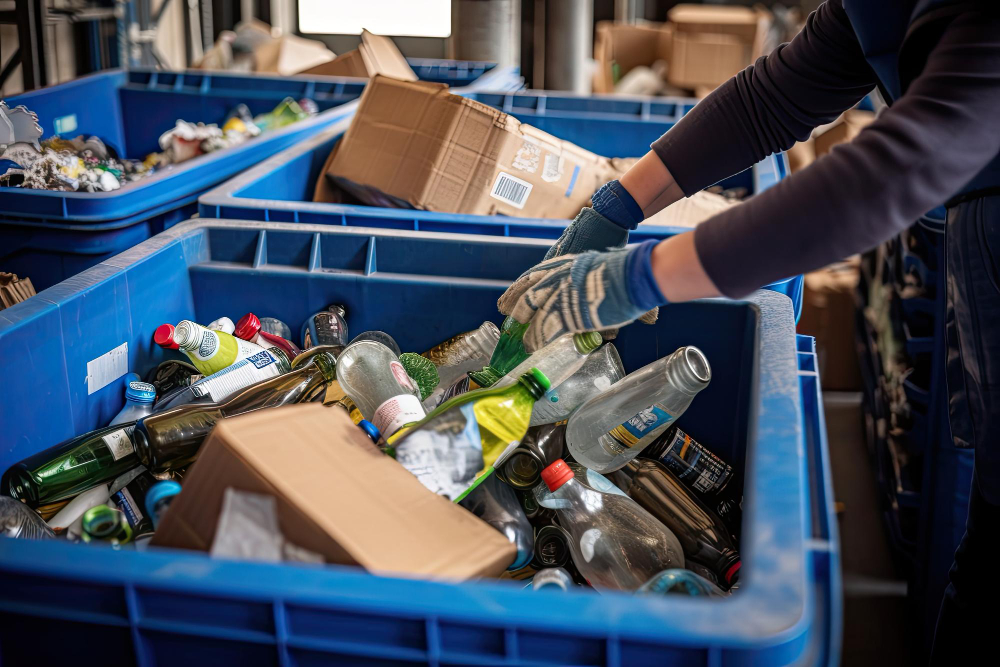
606 225
591 291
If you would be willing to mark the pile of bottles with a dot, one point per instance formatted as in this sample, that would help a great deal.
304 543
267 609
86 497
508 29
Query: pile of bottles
580 465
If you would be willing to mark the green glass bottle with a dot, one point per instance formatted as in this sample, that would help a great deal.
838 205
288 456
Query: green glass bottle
508 353
72 466
462 439
171 439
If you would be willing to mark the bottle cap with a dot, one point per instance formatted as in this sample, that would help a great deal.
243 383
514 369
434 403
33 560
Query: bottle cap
588 342
733 573
556 474
541 379
140 392
164 337
247 327
159 491
370 429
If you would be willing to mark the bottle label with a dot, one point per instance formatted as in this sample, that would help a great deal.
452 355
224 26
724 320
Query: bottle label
446 453
119 444
699 468
126 503
397 411
627 435
402 378
209 344
231 379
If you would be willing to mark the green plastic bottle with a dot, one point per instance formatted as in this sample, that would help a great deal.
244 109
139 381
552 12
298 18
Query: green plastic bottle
455 447
508 353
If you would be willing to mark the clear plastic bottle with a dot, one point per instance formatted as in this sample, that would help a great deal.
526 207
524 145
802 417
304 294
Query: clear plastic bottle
612 428
601 370
559 360
209 351
370 373
276 327
678 581
250 328
615 544
586 476
327 327
457 356
495 503
552 579
139 397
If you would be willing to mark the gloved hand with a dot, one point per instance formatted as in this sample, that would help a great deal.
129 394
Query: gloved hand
606 225
591 291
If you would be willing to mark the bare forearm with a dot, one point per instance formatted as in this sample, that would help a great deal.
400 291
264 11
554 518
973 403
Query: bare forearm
651 185
678 271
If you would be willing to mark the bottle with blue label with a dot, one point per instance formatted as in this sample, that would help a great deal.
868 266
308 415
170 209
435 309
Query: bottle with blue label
611 428
139 397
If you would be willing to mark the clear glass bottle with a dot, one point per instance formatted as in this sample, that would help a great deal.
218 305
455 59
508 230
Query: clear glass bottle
601 370
615 543
613 427
209 351
508 353
379 337
677 581
460 354
370 373
170 440
139 397
327 327
495 503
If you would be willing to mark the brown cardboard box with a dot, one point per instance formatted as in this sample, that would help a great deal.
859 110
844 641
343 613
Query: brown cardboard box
828 305
375 55
415 144
337 496
842 130
712 43
290 54
619 47
14 290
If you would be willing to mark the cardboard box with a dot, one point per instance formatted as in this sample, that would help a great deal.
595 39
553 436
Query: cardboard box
414 144
711 43
375 55
289 54
842 130
620 47
337 496
828 313
14 290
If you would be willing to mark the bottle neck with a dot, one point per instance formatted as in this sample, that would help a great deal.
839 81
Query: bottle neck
630 469
687 369
188 335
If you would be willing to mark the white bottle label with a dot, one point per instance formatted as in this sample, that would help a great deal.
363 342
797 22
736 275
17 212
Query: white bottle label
397 411
231 379
119 444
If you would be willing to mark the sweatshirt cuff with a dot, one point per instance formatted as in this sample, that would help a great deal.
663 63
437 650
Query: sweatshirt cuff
642 287
615 203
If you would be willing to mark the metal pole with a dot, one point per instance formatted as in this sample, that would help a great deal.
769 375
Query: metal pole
486 30
569 48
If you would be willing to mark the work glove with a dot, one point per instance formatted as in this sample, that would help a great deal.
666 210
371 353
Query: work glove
590 291
606 225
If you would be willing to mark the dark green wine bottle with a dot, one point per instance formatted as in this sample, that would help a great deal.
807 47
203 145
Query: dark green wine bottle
508 353
73 466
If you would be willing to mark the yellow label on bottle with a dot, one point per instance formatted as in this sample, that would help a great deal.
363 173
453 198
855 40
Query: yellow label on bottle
502 421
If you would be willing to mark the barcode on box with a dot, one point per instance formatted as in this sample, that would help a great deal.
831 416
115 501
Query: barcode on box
511 190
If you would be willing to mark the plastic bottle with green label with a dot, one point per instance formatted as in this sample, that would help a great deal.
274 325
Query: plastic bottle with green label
209 351
610 429
462 439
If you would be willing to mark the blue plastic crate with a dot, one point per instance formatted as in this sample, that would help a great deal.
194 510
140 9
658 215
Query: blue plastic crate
281 188
761 412
50 236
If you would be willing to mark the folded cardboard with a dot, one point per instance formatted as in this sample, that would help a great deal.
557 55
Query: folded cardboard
620 47
376 54
290 54
842 130
828 314
337 495
14 290
711 43
414 144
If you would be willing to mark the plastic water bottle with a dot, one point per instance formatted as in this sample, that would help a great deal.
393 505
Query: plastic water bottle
601 370
249 328
677 581
458 355
370 373
612 428
615 544
559 360
139 397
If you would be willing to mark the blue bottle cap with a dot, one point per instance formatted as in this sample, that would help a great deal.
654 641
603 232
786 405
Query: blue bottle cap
140 392
158 492
370 429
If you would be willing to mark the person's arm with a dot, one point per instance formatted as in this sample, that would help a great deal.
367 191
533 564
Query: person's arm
764 109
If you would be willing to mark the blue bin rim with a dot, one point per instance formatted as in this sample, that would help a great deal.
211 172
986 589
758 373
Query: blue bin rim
777 603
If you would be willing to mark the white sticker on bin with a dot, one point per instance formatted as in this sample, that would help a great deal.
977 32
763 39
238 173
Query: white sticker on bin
511 190
107 368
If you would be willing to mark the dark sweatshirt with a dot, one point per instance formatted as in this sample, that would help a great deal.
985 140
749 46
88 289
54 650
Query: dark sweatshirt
920 152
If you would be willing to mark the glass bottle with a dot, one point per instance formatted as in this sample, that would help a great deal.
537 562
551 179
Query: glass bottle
613 427
702 534
601 370
551 547
17 520
305 357
209 351
677 581
327 327
379 337
495 503
249 328
552 579
170 440
452 446
508 353
139 397
103 524
458 355
370 373
615 543
72 466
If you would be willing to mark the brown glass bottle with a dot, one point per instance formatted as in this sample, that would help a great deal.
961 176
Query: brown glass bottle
171 439
703 536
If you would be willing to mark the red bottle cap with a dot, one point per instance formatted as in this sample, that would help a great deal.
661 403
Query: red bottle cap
556 474
732 571
164 337
247 327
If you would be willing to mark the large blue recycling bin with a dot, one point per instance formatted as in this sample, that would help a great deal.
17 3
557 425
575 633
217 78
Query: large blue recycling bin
762 412
281 188
50 236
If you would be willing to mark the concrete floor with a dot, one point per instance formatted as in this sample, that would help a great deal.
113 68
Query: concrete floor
877 629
